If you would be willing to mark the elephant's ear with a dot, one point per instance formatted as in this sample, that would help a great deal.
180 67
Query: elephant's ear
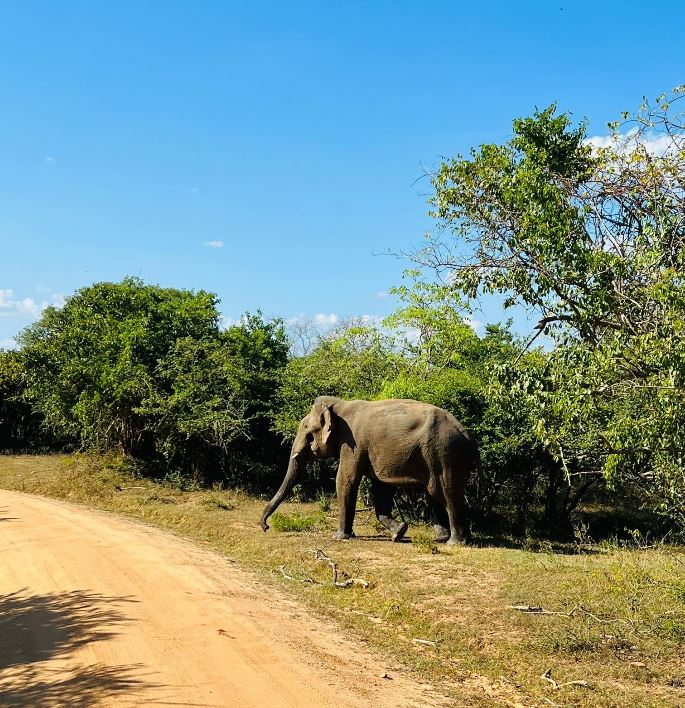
326 424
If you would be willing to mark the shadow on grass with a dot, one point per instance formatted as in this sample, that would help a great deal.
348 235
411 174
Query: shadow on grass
533 545
384 539
38 628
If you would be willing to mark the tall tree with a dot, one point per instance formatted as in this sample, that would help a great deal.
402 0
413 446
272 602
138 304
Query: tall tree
593 239
90 363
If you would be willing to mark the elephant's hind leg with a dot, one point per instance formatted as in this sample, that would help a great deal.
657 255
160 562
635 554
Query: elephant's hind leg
455 503
450 493
383 496
441 522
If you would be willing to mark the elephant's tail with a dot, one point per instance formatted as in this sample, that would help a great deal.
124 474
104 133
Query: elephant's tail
474 451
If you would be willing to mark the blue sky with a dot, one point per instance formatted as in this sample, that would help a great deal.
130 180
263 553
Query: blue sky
136 136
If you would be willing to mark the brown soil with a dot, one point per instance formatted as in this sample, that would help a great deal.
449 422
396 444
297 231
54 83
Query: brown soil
98 610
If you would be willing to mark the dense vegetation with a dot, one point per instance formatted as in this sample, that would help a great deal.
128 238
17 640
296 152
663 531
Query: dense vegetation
590 238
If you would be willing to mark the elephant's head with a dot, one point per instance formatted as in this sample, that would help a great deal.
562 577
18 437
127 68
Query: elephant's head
313 440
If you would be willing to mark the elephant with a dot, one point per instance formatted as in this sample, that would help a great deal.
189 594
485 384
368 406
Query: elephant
393 442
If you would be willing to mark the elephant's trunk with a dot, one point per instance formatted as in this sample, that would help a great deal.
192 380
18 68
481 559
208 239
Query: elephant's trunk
296 458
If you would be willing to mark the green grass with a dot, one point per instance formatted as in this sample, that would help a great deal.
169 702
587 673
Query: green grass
620 626
296 521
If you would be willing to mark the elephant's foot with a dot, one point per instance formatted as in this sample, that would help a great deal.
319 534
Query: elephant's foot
398 535
342 536
397 528
442 534
458 540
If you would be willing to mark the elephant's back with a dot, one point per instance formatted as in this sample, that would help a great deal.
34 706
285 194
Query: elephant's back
405 416
404 434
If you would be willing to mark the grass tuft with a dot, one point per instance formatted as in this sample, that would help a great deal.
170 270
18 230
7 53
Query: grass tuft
296 521
423 539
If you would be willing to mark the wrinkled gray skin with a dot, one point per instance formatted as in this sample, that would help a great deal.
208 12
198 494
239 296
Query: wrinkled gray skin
394 442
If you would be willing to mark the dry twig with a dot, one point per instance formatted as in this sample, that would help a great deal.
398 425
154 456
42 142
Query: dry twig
281 568
534 610
547 676
348 582
427 642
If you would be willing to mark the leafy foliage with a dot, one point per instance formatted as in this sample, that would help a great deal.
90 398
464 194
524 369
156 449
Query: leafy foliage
593 239
19 425
91 363
352 363
147 370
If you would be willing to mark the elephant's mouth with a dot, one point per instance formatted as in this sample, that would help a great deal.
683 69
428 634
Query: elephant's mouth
315 450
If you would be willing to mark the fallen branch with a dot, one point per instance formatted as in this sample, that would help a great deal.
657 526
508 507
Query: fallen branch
427 642
347 582
535 610
547 676
281 568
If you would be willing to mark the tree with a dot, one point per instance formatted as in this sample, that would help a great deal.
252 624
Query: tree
195 411
147 370
20 427
593 240
90 363
517 485
257 352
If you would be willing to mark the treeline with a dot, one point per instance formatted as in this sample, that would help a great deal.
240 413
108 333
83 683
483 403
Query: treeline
149 371
592 239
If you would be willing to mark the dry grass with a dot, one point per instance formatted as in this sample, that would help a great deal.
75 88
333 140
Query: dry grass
620 630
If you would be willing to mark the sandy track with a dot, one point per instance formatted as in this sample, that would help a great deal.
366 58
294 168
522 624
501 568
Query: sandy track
98 610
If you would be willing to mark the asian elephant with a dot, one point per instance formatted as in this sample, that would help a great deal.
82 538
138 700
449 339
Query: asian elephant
394 442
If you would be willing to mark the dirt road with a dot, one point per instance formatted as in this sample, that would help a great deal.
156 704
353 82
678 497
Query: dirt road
98 610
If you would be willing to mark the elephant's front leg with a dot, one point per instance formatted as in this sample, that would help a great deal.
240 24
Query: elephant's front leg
347 486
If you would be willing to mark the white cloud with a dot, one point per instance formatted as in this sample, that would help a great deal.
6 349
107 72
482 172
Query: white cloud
225 321
369 319
322 320
382 294
8 344
475 324
50 160
27 307
600 141
654 144
213 244
9 305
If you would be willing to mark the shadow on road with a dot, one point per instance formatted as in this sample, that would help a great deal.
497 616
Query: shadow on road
3 511
38 628
84 686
